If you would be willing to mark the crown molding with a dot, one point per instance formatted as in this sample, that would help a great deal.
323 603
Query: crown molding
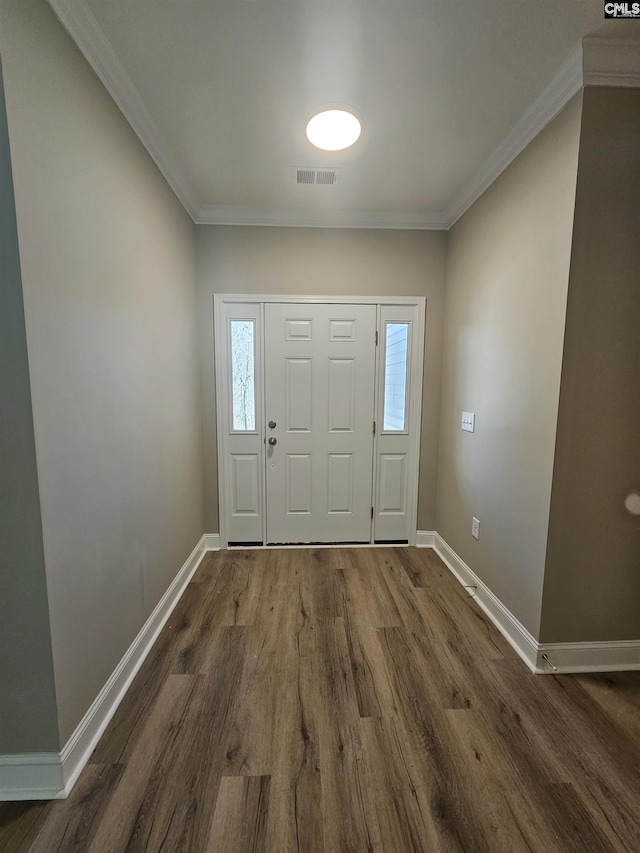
609 62
565 83
228 215
81 24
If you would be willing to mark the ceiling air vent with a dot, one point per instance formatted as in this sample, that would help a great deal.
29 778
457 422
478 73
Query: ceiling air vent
324 177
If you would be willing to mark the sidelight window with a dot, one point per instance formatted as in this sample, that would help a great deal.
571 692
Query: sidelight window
243 382
395 377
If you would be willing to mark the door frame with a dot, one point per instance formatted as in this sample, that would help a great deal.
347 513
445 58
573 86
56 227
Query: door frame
221 364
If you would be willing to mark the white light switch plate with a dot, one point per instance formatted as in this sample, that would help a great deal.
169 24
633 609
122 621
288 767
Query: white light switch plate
475 528
468 421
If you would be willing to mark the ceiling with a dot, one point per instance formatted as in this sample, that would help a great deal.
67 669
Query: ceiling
448 90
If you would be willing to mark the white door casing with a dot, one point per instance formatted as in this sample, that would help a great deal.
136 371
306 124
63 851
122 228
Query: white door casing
243 457
319 391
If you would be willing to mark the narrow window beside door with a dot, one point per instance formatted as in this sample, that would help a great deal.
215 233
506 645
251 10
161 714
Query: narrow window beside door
395 377
243 386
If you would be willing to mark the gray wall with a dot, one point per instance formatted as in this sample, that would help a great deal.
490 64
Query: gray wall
28 718
507 275
325 262
592 577
108 274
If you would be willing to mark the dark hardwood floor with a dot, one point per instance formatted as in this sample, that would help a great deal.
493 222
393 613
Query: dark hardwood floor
347 700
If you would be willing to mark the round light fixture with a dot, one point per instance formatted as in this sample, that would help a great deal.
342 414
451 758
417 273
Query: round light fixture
333 130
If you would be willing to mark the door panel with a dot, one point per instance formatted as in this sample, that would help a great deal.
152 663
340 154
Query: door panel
298 388
319 390
340 490
342 394
391 483
245 484
298 483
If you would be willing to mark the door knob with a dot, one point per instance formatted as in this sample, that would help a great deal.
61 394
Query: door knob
273 440
272 424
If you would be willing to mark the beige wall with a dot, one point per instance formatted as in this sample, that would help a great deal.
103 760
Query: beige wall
507 274
109 292
592 577
325 261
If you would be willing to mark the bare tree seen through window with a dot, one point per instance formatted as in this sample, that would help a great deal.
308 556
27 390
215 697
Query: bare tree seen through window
242 374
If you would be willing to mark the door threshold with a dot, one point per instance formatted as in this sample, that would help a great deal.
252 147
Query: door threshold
236 546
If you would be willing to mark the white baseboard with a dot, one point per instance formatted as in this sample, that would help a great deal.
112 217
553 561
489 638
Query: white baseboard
51 776
562 657
32 776
211 541
611 656
426 538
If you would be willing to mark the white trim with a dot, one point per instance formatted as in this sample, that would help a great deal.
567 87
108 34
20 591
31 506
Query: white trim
83 27
210 214
610 656
211 541
32 776
556 94
611 63
415 402
317 546
220 357
53 775
425 538
322 300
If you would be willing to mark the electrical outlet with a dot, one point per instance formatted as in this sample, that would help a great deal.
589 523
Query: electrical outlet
475 528
468 422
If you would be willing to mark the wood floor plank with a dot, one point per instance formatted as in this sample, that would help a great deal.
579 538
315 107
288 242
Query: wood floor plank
578 822
116 828
515 817
447 806
75 827
211 565
618 696
184 782
314 570
557 715
368 669
233 596
337 726
395 817
442 647
296 790
364 572
462 611
179 649
241 814
267 701
422 569
467 626
328 701
20 823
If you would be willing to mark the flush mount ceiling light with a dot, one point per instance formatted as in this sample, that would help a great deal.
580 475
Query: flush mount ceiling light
333 130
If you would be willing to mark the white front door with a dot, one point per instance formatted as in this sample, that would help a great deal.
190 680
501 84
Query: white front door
319 411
